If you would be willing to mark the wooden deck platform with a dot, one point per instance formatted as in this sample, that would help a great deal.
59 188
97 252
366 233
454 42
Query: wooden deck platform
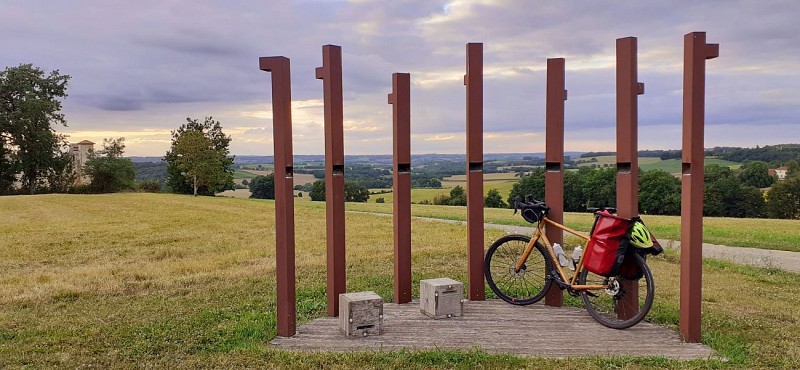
498 327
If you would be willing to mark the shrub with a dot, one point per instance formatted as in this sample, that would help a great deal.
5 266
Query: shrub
149 186
380 200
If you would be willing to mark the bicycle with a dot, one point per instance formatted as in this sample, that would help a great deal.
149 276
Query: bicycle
521 269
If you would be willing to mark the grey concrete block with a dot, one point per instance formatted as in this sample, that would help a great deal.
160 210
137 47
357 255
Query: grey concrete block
441 298
361 314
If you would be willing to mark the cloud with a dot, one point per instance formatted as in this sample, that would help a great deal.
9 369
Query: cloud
150 64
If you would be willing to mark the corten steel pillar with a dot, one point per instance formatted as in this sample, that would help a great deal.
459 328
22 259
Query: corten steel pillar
628 89
331 75
695 53
554 161
474 82
284 194
400 98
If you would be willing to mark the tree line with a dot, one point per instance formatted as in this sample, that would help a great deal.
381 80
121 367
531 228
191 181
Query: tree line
728 193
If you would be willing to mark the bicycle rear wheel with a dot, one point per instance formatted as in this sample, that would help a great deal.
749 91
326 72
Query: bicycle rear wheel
528 285
613 306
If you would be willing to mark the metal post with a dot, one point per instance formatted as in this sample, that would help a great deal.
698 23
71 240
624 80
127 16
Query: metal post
400 98
628 89
554 161
696 51
474 82
284 194
331 75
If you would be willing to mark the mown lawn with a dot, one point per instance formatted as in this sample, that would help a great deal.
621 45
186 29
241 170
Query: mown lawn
154 280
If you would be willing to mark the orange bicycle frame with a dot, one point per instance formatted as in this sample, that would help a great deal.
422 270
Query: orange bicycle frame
539 234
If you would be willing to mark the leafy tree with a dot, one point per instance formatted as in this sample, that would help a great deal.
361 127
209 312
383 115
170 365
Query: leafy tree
573 194
30 107
355 192
599 187
756 174
458 196
494 200
198 161
783 200
108 170
714 172
434 183
659 193
263 187
317 192
727 197
380 200
793 167
532 184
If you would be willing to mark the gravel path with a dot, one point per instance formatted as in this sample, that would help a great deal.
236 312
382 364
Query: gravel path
783 260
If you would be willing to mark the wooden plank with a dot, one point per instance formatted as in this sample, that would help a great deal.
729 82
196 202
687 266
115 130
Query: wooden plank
498 327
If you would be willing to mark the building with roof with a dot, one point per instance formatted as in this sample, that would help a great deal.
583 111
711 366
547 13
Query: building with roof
80 154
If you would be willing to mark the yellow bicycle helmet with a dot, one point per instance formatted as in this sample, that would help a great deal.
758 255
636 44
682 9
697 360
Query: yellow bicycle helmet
640 237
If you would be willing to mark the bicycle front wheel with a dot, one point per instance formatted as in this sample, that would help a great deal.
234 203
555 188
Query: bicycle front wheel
625 301
523 287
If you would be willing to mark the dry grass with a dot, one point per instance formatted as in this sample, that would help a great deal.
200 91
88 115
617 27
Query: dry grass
154 280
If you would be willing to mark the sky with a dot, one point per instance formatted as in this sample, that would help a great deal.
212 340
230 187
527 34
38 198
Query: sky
140 68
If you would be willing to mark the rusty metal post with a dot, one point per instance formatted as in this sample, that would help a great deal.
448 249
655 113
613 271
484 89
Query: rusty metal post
331 75
554 161
474 82
400 98
628 90
695 53
284 194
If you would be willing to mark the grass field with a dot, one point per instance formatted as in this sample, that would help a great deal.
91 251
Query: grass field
737 232
156 280
503 182
672 166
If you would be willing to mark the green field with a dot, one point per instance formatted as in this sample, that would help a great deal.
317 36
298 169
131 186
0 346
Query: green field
737 232
170 281
672 166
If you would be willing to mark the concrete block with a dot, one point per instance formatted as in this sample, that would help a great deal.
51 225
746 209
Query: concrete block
441 298
361 314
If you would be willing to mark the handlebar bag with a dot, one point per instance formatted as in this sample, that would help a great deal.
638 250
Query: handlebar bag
607 245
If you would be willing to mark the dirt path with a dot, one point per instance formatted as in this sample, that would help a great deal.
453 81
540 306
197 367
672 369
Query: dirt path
783 260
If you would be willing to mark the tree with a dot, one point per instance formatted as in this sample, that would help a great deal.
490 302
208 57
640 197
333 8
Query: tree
599 187
198 161
659 193
434 183
783 200
727 197
30 107
458 196
108 170
756 174
263 187
494 199
532 184
317 192
355 192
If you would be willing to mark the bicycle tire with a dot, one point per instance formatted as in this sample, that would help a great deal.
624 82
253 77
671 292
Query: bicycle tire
604 305
520 288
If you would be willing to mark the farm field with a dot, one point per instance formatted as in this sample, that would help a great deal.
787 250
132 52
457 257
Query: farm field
157 280
672 166
503 182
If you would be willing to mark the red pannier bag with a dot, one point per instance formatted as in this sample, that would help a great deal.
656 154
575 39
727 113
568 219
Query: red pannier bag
607 245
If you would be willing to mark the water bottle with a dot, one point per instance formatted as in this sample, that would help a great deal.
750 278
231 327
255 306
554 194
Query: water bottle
562 258
576 256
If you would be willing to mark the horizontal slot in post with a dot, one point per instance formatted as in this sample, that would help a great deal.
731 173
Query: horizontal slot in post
475 166
338 170
289 172
362 327
552 166
686 168
404 168
623 167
